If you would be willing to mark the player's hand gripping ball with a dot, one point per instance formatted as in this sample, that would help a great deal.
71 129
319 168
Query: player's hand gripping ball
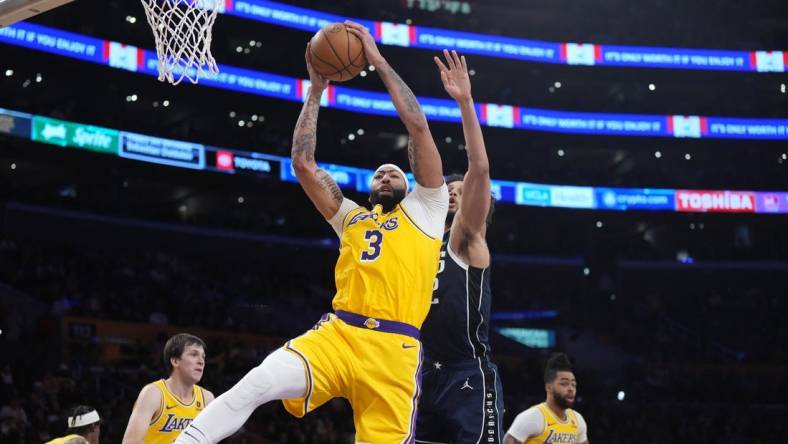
336 54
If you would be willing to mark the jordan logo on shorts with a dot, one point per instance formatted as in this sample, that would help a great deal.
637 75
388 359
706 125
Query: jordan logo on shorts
466 385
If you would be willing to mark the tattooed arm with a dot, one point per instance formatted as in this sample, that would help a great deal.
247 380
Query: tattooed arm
425 160
319 186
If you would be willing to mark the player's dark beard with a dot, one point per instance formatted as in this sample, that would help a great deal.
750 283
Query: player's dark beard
387 202
561 401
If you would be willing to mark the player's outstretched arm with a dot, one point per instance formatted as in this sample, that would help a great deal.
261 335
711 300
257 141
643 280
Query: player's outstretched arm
146 409
319 186
476 185
425 161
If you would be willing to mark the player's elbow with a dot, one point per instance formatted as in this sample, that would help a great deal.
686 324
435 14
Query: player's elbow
417 126
301 165
479 168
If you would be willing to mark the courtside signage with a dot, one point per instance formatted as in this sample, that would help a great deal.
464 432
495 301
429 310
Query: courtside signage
162 151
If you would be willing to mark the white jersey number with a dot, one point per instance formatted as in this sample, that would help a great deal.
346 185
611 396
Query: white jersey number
436 283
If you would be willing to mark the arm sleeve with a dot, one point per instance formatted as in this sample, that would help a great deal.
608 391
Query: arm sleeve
527 424
428 208
336 220
582 428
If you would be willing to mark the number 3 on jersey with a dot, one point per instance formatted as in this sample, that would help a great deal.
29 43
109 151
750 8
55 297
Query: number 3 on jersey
375 239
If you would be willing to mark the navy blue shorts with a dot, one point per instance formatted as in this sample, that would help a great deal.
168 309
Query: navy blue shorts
460 403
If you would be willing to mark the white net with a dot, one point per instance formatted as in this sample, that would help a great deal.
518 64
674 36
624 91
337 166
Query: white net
182 29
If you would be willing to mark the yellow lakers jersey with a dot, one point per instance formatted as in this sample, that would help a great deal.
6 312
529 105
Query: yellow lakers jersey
556 430
70 439
386 266
174 416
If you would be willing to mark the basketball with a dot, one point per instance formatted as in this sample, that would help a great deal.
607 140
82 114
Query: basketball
337 54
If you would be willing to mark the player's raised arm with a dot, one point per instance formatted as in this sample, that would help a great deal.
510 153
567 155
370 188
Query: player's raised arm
476 185
318 184
425 161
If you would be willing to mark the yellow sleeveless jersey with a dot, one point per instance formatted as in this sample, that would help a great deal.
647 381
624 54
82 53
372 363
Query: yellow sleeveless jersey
70 439
556 430
386 266
175 415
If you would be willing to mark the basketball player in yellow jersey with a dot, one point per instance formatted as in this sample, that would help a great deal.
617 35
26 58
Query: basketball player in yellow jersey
552 421
84 427
368 349
165 407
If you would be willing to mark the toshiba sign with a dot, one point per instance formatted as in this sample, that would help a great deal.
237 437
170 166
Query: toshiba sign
715 201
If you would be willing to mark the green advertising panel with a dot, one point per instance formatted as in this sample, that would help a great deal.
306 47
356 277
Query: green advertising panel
60 132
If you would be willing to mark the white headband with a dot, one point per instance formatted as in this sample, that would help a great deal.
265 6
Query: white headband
395 168
83 420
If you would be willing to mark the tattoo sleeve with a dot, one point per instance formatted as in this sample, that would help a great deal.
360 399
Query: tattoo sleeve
404 100
412 157
305 135
410 100
328 184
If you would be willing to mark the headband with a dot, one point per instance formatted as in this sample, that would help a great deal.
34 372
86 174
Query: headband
395 168
83 419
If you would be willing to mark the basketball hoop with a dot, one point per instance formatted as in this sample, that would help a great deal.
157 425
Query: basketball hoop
182 29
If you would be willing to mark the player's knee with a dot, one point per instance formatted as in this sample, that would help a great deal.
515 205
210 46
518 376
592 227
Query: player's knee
288 374
280 376
252 390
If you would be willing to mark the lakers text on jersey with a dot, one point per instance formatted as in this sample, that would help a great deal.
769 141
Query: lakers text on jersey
556 431
175 415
